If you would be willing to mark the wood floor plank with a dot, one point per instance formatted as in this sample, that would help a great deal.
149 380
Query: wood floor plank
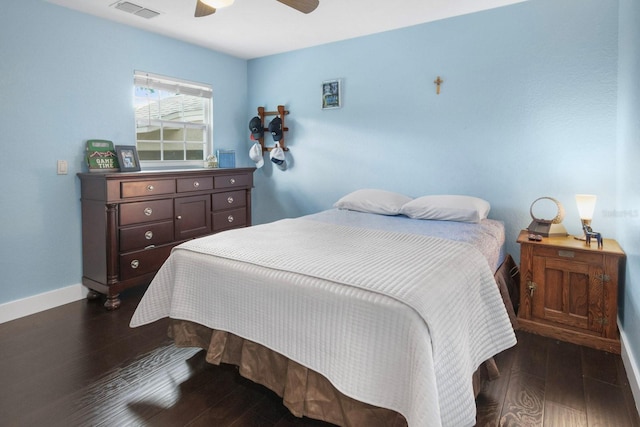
524 403
268 410
562 416
600 365
153 378
490 400
230 409
199 393
605 404
531 354
564 385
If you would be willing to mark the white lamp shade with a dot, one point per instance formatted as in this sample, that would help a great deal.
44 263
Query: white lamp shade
586 205
218 4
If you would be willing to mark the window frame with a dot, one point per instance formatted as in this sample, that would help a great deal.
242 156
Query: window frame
182 87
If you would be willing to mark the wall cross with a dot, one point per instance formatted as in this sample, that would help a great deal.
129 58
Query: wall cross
438 82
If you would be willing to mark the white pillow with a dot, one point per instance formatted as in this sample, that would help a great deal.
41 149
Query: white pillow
447 208
373 201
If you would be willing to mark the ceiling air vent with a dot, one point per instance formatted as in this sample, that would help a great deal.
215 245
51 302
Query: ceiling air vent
135 9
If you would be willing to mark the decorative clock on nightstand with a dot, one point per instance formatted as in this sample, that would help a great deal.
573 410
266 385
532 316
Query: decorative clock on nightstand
569 290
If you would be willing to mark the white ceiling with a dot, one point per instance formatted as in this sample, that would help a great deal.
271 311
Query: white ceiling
254 28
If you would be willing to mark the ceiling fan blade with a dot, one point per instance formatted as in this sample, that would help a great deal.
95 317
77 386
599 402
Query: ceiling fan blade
203 9
304 6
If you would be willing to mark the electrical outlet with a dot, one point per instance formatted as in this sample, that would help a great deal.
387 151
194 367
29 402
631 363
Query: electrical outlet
63 168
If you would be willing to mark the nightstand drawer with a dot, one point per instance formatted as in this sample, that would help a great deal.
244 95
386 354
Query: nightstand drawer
568 253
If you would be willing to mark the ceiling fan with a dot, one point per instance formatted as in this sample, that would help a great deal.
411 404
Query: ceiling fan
203 8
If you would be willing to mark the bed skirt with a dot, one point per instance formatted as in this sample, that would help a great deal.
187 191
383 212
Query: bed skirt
305 392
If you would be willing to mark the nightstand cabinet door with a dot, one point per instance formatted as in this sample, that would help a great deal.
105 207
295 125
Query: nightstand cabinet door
567 293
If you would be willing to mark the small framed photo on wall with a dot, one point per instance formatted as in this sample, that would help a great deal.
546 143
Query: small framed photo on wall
331 94
128 158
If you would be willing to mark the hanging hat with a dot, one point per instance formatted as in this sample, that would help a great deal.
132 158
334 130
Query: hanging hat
275 127
277 157
255 153
255 126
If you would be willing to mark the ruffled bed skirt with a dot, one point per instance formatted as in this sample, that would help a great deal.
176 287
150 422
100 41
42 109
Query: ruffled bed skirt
305 392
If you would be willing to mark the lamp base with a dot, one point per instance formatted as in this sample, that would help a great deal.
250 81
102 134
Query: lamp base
558 230
547 229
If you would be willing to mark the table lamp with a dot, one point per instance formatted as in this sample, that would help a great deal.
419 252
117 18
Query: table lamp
586 205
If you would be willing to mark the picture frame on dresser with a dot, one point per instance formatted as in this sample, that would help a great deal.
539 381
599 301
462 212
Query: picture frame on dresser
128 158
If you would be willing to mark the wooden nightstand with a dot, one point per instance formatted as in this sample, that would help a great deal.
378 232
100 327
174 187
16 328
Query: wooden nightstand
569 291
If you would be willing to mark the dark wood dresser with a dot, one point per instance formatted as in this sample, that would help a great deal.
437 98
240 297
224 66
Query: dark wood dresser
131 221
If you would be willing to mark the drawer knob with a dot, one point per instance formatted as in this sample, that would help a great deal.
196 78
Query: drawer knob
179 217
135 263
196 184
230 218
148 235
150 187
232 181
148 211
229 200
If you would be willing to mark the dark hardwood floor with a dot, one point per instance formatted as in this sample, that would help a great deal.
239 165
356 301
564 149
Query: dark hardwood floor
78 365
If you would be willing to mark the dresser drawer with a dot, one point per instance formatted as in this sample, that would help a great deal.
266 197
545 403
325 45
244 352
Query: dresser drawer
229 219
142 236
195 184
153 210
135 264
229 200
231 181
148 188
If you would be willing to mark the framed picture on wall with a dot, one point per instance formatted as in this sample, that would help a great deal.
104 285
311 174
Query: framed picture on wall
331 94
128 158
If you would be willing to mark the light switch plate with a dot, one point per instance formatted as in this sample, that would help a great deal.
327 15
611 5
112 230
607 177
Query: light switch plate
63 168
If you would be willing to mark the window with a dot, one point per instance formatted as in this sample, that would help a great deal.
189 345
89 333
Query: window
173 120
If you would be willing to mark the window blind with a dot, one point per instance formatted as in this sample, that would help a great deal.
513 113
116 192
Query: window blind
183 87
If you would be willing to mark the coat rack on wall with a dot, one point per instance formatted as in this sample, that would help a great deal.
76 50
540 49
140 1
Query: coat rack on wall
280 113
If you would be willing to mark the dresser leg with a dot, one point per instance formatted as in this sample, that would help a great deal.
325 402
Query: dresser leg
112 302
93 295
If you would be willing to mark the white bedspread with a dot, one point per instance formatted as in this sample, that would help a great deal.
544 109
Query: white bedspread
395 320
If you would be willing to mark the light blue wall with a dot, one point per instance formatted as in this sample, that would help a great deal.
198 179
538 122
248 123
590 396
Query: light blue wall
66 77
527 109
628 212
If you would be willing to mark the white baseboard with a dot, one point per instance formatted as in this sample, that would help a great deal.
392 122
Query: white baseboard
632 368
37 303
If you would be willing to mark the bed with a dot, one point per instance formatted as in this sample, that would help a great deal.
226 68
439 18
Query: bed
355 317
